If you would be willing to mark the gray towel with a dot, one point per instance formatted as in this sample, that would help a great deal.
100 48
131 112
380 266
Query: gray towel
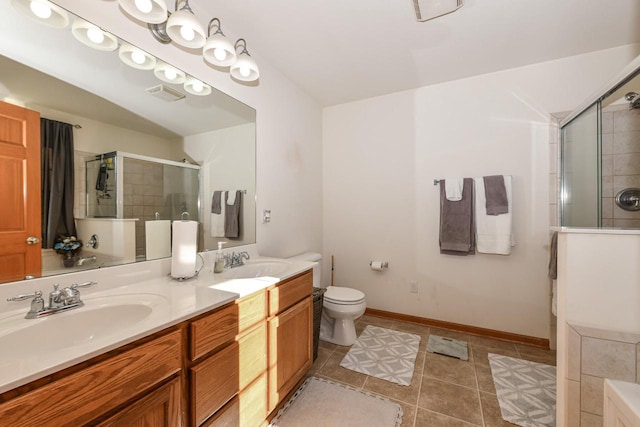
457 229
553 257
232 217
216 204
496 195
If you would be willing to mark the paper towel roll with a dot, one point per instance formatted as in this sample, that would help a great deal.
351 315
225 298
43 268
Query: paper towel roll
184 249
158 239
377 265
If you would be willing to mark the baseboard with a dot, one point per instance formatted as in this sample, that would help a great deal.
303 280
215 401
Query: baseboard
458 327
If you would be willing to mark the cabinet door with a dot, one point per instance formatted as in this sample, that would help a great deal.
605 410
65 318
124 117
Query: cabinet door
160 408
290 349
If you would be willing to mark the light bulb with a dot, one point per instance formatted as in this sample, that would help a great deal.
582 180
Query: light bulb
144 6
245 71
40 9
197 86
187 32
220 54
137 57
95 35
170 73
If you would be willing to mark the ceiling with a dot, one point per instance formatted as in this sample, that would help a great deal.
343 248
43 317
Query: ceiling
345 50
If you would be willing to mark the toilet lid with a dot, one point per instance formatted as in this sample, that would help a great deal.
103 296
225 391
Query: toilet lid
342 295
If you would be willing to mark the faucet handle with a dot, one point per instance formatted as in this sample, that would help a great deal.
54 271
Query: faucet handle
22 297
83 284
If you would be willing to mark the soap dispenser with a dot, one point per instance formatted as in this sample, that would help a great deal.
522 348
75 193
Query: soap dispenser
218 265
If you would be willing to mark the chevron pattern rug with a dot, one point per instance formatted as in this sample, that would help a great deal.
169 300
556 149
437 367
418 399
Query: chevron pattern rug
384 353
526 391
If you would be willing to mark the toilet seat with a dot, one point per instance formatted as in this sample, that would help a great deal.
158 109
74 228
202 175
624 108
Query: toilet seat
343 296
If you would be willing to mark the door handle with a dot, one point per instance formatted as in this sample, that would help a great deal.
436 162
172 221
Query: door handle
32 240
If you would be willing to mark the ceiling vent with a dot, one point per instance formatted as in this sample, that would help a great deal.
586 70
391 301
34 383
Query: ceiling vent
165 93
430 9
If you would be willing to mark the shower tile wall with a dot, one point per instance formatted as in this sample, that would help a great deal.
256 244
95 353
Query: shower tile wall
620 163
79 184
142 196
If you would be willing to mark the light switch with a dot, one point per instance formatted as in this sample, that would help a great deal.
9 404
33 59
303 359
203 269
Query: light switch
266 216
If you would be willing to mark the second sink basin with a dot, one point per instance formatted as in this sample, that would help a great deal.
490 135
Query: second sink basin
259 268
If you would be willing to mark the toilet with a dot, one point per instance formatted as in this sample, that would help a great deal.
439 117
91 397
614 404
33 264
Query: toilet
341 306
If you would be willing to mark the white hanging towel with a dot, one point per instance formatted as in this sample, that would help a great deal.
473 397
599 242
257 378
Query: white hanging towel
217 220
494 234
453 189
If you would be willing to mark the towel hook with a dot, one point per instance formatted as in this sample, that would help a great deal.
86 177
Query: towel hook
183 214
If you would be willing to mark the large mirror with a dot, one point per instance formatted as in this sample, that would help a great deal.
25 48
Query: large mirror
141 158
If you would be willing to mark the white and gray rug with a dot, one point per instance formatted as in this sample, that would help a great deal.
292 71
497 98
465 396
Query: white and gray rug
383 353
319 402
526 391
448 347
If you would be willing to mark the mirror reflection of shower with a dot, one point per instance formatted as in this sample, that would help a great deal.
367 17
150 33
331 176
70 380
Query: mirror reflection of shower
634 100
101 176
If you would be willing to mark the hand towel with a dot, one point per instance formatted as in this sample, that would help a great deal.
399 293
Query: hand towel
457 234
232 215
231 197
218 219
496 195
493 232
453 189
216 205
553 256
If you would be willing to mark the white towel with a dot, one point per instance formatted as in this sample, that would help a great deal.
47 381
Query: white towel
231 197
494 233
453 189
217 220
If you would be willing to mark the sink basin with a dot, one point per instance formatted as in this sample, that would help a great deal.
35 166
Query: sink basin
63 331
258 268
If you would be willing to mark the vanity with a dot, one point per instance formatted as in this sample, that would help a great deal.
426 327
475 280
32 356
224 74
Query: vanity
223 349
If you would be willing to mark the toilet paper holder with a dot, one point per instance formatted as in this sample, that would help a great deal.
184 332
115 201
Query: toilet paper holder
378 265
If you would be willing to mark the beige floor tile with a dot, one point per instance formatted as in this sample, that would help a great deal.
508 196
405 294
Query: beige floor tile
426 418
493 343
485 379
341 349
450 370
334 371
326 345
545 360
323 356
480 354
491 411
408 394
408 413
450 399
535 351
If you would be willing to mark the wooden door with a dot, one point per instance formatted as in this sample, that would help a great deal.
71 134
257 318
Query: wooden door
19 193
290 349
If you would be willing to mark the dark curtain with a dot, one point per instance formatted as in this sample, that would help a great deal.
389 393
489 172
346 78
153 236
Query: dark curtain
56 143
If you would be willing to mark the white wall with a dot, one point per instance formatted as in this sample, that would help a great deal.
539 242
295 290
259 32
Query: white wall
381 155
289 134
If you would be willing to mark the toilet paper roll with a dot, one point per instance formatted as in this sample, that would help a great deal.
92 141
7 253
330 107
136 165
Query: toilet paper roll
158 239
377 265
184 249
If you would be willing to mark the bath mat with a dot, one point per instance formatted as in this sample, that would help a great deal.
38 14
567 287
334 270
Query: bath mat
320 402
385 354
448 347
526 391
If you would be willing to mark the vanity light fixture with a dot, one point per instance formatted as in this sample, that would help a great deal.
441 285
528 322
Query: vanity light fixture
92 36
136 58
218 50
245 68
196 87
183 27
149 11
42 11
168 73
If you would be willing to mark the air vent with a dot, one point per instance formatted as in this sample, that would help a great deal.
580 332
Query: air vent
165 93
430 9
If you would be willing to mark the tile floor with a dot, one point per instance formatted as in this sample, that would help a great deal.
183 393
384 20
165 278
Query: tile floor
444 391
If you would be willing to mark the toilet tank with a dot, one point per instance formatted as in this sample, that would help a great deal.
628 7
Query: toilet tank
311 257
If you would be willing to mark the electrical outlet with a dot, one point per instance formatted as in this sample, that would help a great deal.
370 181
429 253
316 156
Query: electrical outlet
413 286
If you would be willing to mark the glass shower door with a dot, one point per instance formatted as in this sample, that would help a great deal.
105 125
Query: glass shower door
581 170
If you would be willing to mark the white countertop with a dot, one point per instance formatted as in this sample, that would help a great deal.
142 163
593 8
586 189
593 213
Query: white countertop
170 303
594 230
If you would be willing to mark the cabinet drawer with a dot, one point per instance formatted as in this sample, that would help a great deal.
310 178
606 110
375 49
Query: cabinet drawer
252 309
213 331
87 394
214 382
253 354
290 292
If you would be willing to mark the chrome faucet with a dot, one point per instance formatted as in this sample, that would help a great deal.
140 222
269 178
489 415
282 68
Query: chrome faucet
84 260
59 300
237 259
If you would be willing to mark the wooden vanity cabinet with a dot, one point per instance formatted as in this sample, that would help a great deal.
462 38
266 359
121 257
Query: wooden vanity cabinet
290 327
